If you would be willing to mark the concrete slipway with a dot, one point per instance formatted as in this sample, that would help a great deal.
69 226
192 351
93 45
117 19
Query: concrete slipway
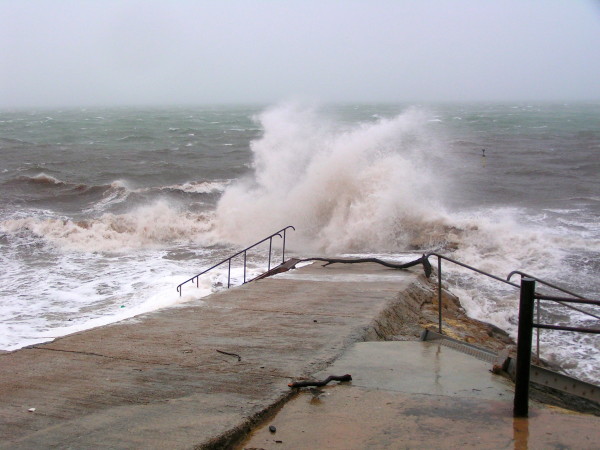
158 381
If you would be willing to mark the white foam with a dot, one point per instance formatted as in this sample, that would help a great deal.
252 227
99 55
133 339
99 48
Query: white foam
201 187
344 188
117 193
155 225
45 178
68 302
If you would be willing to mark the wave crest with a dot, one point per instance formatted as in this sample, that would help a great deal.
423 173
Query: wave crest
199 187
43 178
150 226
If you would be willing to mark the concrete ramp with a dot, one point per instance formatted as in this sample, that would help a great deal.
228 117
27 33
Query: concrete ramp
157 381
417 395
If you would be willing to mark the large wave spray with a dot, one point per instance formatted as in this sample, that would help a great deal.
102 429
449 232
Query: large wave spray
365 187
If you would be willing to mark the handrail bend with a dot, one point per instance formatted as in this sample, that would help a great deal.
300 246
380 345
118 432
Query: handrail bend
268 238
440 257
558 288
472 268
507 281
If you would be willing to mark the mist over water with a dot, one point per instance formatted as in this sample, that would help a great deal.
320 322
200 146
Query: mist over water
104 212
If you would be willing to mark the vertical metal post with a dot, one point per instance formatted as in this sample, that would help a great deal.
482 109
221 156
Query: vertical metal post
439 295
270 244
521 403
537 331
229 274
244 266
283 260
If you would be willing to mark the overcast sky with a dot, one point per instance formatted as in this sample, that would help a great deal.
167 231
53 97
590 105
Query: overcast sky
163 52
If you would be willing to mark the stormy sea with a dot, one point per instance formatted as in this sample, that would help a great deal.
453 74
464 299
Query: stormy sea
103 212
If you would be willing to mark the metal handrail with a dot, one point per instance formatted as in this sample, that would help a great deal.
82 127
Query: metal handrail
528 296
558 288
474 269
525 324
507 281
564 301
228 260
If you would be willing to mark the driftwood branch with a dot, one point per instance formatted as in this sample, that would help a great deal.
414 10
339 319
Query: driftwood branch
230 354
422 260
299 384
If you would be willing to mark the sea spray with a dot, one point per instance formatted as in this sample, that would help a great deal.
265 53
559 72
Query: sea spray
363 187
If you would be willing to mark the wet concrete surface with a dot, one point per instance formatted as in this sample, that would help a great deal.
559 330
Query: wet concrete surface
157 381
417 395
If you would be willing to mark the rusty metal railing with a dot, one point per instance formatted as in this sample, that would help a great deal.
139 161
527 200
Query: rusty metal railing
244 252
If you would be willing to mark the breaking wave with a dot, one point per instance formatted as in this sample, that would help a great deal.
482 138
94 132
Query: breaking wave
368 187
156 225
43 178
101 197
199 187
377 186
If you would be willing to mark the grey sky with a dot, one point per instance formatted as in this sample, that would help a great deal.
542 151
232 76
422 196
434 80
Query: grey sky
103 52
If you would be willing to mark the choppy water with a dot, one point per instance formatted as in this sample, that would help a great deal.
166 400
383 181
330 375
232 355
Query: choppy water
104 212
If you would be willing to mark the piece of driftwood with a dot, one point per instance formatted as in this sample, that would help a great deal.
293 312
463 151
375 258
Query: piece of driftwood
299 384
230 354
422 260
289 264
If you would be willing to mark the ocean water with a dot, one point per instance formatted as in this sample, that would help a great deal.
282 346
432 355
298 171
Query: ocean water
103 212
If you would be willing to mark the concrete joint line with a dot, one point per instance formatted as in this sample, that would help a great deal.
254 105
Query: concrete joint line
100 356
294 313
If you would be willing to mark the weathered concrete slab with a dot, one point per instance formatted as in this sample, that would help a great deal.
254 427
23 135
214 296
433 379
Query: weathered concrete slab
417 395
156 381
421 368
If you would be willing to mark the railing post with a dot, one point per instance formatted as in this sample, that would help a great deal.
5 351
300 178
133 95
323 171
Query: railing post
283 259
439 295
270 245
229 274
537 331
521 403
244 266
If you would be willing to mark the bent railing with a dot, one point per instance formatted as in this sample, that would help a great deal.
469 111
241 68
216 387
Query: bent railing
244 252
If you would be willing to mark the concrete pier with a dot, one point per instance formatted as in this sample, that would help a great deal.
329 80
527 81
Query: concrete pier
206 373
157 381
